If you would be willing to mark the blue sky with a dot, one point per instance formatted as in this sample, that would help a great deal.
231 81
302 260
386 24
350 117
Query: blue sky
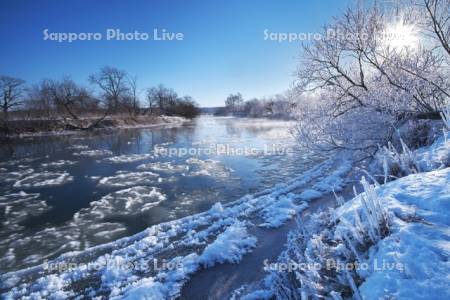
223 50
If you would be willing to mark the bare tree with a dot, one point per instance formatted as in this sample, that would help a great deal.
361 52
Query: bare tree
113 83
161 98
132 82
366 84
11 90
438 12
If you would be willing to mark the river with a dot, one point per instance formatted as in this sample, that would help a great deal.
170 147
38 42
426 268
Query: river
65 193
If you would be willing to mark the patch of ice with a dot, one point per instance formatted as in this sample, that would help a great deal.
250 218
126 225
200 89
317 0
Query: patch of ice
208 167
123 179
163 167
15 175
128 201
58 163
93 153
78 147
128 158
43 179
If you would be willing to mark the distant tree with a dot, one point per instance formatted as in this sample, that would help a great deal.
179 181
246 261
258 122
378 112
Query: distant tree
132 82
39 99
113 83
161 98
69 98
11 92
234 102
186 107
66 100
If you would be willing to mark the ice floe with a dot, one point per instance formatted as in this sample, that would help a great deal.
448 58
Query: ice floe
15 175
208 167
19 206
58 163
79 147
43 179
128 158
163 167
133 200
93 153
123 179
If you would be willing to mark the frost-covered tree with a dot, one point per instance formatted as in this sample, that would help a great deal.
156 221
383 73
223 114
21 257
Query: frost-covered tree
371 72
438 21
234 102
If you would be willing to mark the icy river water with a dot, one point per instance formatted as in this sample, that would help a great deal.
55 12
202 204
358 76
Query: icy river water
69 192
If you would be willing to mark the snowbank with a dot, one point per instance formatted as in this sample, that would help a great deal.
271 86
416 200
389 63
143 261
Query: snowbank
420 246
393 242
229 246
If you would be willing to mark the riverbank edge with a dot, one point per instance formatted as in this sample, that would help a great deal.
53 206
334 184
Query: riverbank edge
59 127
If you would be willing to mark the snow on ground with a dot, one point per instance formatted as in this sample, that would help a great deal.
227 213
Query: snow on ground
279 212
436 156
409 259
43 179
421 246
124 179
216 236
229 246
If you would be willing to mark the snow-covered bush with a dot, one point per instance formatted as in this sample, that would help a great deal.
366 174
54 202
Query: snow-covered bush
359 130
397 164
329 240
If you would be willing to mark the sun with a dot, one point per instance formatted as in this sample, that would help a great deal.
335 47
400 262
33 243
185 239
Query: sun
400 36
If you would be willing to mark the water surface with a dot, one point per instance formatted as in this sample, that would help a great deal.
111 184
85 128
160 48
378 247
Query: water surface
70 192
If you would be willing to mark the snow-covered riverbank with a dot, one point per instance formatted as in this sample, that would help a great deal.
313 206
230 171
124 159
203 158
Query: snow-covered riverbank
391 241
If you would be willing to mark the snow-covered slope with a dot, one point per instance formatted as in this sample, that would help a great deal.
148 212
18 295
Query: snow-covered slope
416 254
390 242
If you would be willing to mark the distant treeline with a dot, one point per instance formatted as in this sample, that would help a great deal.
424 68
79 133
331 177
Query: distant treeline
111 92
278 107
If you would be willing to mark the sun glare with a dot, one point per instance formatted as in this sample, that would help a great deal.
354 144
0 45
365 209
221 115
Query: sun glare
399 36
